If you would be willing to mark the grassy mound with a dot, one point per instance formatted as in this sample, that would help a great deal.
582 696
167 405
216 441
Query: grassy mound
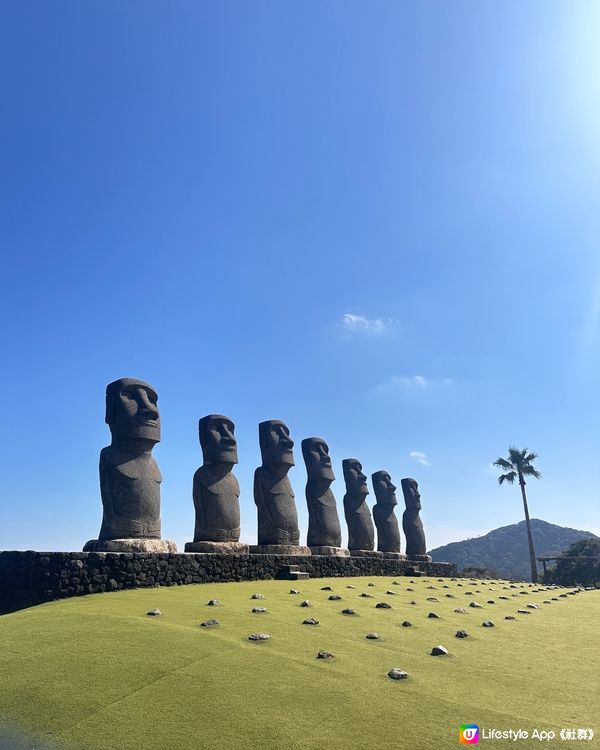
97 673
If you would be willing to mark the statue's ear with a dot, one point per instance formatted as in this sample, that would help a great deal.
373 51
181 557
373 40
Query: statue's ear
108 418
112 393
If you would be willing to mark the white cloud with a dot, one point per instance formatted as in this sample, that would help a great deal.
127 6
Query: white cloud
416 382
420 457
359 324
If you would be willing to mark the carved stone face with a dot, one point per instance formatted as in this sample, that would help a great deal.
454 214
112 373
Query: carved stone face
217 439
316 457
412 496
355 480
275 443
385 491
132 410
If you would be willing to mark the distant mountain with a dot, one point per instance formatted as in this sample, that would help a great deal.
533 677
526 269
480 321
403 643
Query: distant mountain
506 551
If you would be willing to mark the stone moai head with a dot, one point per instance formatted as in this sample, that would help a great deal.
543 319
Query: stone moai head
275 443
132 410
316 457
385 491
410 490
356 481
217 439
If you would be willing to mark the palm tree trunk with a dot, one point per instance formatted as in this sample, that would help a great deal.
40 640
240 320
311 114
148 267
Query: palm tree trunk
534 575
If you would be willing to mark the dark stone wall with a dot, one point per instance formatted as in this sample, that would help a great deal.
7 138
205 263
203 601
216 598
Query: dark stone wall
28 578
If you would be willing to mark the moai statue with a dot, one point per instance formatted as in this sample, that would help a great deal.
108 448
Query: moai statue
216 490
324 532
388 533
411 523
129 475
361 534
278 531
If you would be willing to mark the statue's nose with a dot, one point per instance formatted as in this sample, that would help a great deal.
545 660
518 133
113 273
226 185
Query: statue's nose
147 406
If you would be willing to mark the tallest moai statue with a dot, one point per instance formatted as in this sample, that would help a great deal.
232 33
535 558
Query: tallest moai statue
129 476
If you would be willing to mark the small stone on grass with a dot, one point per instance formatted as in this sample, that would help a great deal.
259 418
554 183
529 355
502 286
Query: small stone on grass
397 674
325 655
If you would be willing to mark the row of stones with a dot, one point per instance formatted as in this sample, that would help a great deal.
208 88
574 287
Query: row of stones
395 673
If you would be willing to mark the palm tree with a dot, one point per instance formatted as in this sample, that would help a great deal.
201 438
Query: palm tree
519 465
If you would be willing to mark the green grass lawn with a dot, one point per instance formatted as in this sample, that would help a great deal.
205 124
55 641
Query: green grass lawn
96 672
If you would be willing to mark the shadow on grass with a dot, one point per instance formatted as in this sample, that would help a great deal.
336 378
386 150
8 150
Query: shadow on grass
15 739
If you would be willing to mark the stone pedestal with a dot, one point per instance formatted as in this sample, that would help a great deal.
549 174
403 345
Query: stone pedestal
279 549
419 558
393 556
218 548
331 551
130 545
365 553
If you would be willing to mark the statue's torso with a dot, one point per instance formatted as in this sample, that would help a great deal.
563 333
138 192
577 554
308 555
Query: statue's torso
277 515
323 521
130 488
361 534
414 533
388 532
216 500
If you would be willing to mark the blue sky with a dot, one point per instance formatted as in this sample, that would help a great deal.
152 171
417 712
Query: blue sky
378 222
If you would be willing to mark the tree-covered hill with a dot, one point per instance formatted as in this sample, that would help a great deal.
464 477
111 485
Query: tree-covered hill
505 549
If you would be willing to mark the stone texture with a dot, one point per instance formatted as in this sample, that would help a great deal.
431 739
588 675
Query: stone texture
348 611
461 634
257 596
130 545
216 490
305 603
439 651
433 616
325 655
129 476
259 637
154 612
29 578
397 674
273 494
209 623
388 532
487 624
361 533
310 621
330 551
372 636
258 610
213 603
324 531
217 548
365 553
279 549
407 624
383 605
412 525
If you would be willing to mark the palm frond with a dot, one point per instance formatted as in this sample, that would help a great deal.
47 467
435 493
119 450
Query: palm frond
504 464
510 477
531 471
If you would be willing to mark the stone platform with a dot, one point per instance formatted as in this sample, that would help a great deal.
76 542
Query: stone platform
29 578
